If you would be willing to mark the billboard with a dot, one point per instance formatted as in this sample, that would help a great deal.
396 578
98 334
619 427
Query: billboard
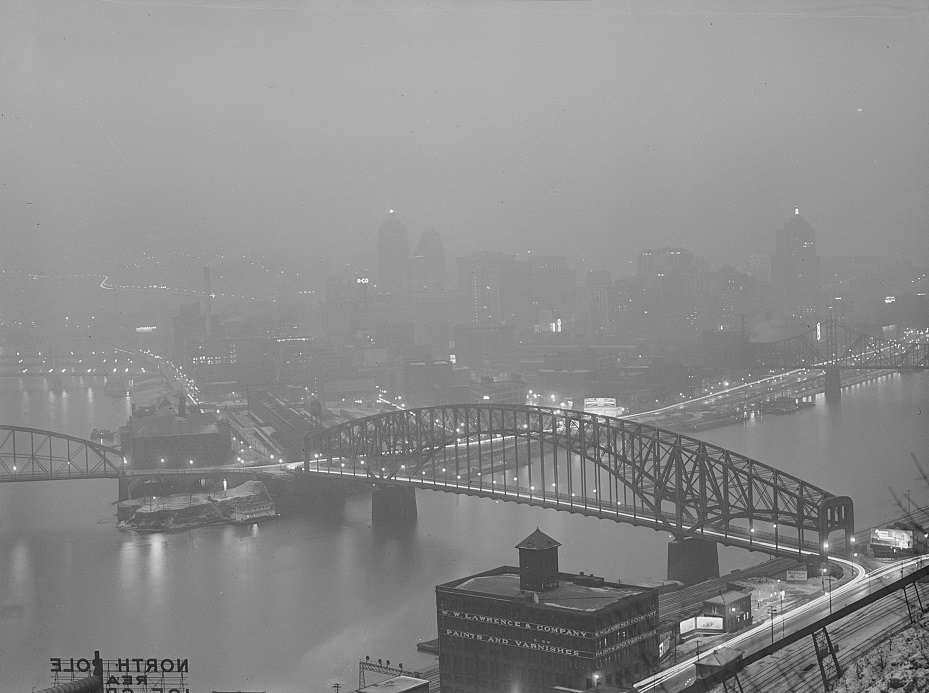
899 539
714 623
603 406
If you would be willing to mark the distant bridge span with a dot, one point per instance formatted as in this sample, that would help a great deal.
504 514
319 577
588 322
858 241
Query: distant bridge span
31 454
594 465
831 343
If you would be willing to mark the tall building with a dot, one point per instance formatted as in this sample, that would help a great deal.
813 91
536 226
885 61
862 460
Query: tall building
734 299
533 628
427 267
492 287
552 287
393 255
431 305
795 268
599 303
672 292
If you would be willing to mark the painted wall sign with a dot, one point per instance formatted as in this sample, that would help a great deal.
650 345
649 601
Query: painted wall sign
126 675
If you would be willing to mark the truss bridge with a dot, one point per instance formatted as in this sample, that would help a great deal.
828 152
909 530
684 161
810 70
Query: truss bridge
598 466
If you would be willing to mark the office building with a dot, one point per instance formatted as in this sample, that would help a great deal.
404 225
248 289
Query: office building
427 266
672 294
494 289
795 268
393 255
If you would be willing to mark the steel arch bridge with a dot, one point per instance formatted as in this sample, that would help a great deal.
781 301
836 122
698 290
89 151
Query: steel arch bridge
832 343
31 454
594 465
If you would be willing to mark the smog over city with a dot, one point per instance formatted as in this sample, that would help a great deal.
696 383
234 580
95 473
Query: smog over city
640 286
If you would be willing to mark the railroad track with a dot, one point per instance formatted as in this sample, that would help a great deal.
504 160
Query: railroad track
794 669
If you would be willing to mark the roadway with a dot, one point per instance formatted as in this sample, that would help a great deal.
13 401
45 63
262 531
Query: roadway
769 631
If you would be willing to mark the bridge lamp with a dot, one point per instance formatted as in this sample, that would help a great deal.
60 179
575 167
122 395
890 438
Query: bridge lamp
191 461
515 479
459 476
125 461
532 488
343 464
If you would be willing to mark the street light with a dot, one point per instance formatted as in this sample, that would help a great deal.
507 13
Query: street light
772 612
782 613
822 580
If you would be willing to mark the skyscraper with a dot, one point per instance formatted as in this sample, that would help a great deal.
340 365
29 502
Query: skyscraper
672 291
491 285
795 268
393 255
427 268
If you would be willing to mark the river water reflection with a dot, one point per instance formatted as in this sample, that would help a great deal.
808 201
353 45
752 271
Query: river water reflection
293 604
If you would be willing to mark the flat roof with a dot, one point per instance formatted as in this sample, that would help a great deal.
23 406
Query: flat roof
727 597
397 684
567 595
158 425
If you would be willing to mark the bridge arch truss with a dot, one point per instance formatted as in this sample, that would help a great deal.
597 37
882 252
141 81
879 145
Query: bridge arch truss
584 463
31 454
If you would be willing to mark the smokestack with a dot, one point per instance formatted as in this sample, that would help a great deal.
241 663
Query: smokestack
182 403
207 306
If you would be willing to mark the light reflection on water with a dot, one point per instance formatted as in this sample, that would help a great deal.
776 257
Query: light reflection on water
299 600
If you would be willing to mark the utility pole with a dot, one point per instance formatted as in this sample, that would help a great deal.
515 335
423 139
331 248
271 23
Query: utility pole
772 612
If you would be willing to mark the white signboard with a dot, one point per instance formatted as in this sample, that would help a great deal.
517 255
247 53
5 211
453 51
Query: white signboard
714 623
799 575
603 406
897 538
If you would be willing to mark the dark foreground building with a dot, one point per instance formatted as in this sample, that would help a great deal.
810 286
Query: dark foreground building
532 628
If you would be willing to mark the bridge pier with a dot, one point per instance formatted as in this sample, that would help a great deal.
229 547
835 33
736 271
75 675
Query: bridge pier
692 560
833 384
393 504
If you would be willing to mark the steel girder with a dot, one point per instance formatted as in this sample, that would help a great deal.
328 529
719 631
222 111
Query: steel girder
31 454
641 474
830 342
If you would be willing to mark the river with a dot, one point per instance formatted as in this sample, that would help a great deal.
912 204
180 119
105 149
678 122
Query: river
293 604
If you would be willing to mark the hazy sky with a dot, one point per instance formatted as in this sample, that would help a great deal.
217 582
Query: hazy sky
568 127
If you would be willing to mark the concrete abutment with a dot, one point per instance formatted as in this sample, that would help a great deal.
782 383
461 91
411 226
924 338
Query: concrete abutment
393 504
